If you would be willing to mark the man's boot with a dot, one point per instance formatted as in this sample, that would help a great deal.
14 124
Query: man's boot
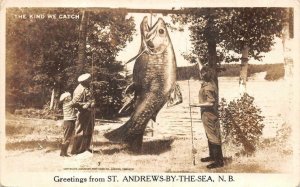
210 157
218 157
64 150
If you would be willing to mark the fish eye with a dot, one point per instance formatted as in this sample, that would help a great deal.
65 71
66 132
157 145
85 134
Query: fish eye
161 31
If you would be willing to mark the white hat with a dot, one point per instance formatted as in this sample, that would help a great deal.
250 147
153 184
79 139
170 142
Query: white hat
64 95
84 77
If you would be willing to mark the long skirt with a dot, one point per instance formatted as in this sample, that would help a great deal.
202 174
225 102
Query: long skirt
212 127
83 132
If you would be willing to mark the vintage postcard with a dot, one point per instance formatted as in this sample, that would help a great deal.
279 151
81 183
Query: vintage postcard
150 93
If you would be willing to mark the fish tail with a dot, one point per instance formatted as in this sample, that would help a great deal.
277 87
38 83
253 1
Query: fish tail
119 134
124 134
132 131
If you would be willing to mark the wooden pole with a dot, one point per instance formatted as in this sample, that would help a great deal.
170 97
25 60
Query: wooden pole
286 42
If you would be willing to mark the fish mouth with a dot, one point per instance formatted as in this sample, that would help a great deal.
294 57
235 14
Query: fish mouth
145 27
149 33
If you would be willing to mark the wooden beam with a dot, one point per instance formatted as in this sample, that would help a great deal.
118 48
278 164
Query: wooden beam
191 11
153 11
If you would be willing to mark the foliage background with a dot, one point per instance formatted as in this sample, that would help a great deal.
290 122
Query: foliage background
217 32
42 55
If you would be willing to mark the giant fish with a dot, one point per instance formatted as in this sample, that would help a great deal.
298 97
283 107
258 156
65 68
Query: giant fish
154 77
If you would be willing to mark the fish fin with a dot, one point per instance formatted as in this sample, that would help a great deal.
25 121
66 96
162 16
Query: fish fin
130 99
128 106
175 97
123 135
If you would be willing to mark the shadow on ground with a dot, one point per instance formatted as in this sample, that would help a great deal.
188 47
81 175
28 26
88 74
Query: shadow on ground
157 147
154 147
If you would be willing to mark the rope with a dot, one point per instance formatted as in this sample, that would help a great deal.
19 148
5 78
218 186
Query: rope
135 57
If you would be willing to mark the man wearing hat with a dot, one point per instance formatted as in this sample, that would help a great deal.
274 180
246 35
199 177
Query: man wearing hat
83 97
69 121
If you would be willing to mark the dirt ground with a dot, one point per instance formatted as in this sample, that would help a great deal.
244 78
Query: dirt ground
33 145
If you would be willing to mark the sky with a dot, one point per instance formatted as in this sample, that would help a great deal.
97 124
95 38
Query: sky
181 43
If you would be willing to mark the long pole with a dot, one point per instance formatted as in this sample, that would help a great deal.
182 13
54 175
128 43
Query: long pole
93 109
192 133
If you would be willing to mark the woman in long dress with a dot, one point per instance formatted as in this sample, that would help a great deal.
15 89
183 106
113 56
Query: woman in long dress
83 98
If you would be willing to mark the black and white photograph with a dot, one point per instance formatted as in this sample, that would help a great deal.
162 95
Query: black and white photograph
135 94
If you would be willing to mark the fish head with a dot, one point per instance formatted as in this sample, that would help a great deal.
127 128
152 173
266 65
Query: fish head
156 39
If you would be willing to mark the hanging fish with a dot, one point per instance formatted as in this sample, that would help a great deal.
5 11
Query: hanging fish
154 77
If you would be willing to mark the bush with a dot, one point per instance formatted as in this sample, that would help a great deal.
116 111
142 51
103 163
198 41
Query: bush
241 123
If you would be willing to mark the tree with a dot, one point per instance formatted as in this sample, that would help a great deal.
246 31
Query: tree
252 33
36 54
218 34
42 54
107 35
207 33
221 34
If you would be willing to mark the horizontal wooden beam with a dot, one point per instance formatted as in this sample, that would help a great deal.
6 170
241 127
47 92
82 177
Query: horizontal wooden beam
190 11
153 11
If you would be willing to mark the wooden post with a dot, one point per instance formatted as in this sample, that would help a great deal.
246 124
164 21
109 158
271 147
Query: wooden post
288 64
286 42
52 99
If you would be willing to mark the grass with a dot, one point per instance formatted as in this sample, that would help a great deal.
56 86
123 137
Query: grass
38 142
